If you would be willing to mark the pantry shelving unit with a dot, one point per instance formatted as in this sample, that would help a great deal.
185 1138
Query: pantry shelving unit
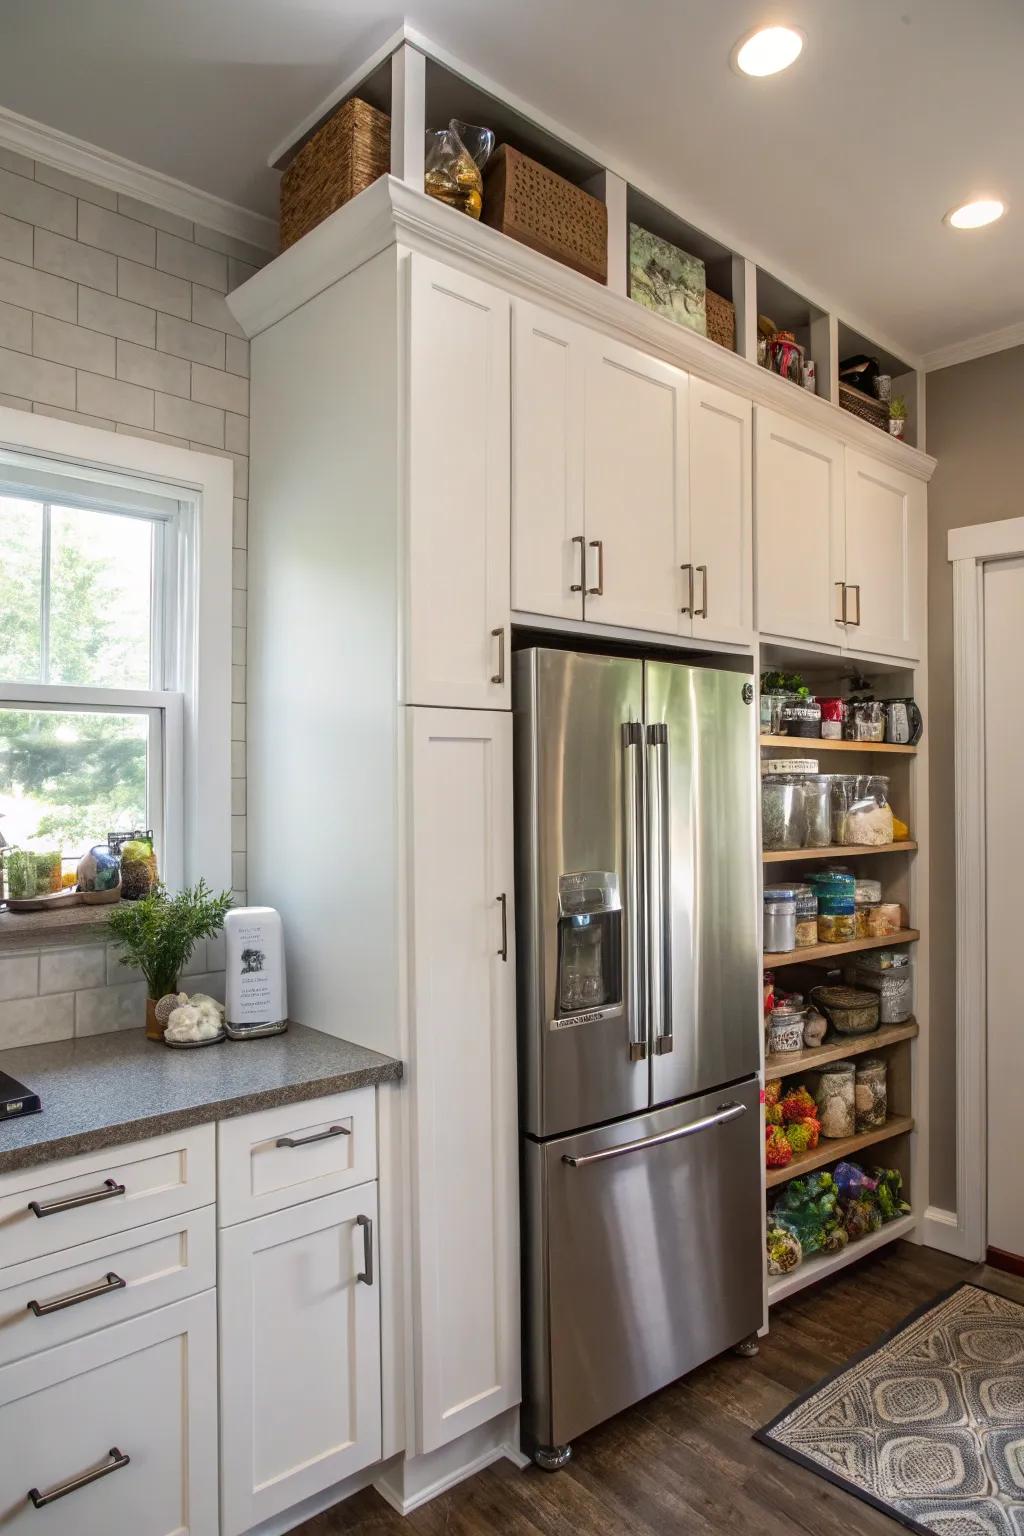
813 952
796 745
820 1265
813 1058
834 851
834 1151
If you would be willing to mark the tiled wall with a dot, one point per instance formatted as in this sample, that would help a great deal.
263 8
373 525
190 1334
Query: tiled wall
112 313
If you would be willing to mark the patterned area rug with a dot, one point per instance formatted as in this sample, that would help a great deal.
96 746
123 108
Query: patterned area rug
929 1425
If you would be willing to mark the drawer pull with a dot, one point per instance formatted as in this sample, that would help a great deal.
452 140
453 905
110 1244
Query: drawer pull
72 1202
103 1287
116 1461
305 1141
366 1275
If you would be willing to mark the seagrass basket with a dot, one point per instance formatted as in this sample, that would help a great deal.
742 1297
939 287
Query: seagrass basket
342 158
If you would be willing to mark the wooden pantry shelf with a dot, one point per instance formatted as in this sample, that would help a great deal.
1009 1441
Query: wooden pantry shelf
835 850
800 746
833 951
821 1264
787 1063
834 1149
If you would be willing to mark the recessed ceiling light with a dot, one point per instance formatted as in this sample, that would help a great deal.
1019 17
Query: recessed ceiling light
974 215
768 50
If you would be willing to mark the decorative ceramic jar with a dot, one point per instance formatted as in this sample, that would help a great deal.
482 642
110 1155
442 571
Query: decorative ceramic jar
835 1098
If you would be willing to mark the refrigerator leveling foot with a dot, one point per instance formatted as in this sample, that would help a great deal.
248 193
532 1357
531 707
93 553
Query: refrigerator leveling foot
747 1347
550 1458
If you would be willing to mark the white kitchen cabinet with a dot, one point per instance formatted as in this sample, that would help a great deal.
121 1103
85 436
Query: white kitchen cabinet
885 514
299 1354
465 1152
636 489
457 490
721 524
801 558
125 1419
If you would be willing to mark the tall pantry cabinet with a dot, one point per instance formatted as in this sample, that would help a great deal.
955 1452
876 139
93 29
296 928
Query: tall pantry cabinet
379 763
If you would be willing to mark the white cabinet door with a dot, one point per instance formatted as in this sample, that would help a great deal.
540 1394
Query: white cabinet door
124 1420
457 536
721 529
635 463
884 512
299 1354
463 1072
798 476
548 356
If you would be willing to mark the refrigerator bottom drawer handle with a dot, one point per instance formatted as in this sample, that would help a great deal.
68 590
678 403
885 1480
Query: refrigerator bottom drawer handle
722 1116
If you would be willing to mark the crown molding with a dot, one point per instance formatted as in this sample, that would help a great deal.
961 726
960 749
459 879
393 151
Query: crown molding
975 346
66 153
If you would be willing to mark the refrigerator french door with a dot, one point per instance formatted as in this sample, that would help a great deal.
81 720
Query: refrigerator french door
639 1026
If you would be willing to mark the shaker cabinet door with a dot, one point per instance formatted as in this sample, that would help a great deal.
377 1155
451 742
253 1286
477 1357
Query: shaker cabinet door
463 1072
457 635
721 532
548 356
885 514
801 558
636 491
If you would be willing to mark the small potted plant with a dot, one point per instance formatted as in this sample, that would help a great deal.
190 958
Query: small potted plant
897 416
158 933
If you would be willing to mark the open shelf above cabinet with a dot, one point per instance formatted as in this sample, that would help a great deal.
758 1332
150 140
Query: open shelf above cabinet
830 951
833 1151
812 1058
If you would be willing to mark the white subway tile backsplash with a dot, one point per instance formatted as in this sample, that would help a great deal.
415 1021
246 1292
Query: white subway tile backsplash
237 356
19 164
153 370
37 379
19 977
113 232
238 685
196 342
238 873
240 523
74 186
209 308
15 240
238 799
116 399
78 263
105 1008
187 418
13 403
236 432
118 974
80 418
238 647
239 606
239 272
36 204
227 391
70 970
196 962
193 262
15 328
238 722
73 344
157 290
37 290
115 317
230 246
34 1020
209 982
238 759
238 568
154 437
238 834
241 487
147 214
216 956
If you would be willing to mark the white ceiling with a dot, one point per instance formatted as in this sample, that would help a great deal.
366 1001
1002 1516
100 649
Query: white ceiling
837 172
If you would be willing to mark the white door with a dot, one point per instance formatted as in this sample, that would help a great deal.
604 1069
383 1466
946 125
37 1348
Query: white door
299 1354
463 1072
721 528
457 634
884 511
124 1421
636 488
548 356
801 562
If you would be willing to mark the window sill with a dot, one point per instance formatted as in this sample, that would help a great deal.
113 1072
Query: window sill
71 925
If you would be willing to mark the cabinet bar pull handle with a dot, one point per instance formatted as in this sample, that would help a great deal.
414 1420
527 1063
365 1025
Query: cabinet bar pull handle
598 591
722 1116
305 1141
854 587
689 602
503 951
103 1287
842 587
72 1202
702 611
577 586
499 635
116 1461
365 1277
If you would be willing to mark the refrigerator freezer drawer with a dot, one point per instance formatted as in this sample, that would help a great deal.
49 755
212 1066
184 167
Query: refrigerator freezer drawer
643 1257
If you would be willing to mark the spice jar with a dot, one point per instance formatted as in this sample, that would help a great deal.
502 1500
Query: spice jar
870 1094
833 716
801 717
779 922
835 1097
783 823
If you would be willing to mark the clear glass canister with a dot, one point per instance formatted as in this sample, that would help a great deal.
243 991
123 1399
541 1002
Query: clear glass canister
783 822
870 1094
835 1098
865 720
801 717
806 916
817 810
869 815
837 920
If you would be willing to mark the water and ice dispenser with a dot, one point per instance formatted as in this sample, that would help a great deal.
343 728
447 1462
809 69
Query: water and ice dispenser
589 942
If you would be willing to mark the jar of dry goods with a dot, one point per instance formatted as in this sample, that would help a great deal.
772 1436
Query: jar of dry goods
783 822
786 1029
801 717
806 916
835 1098
870 1095
779 920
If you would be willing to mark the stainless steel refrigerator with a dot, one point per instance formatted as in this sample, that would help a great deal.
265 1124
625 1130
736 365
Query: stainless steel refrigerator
639 1019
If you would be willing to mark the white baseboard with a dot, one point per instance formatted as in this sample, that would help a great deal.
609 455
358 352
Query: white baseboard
941 1229
415 1480
317 1503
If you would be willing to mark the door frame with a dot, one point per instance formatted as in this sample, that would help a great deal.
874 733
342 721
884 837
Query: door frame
969 550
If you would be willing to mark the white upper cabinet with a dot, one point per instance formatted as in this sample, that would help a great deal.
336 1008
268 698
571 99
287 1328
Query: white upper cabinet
885 515
800 540
721 528
457 486
547 463
636 489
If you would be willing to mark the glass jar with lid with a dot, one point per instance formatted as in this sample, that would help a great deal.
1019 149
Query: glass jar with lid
801 717
783 821
817 810
867 896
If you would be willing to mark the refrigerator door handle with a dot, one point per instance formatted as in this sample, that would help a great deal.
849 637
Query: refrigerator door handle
659 885
722 1116
633 747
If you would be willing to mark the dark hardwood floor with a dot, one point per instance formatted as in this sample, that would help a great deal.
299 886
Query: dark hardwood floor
683 1460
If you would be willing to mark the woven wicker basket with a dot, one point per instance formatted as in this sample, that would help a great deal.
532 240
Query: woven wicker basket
342 158
865 406
721 319
542 210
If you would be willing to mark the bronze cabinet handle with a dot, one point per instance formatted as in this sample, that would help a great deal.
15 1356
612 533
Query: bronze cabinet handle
598 591
72 1202
842 587
305 1141
688 569
702 611
854 587
365 1276
577 586
499 635
503 951
103 1287
116 1460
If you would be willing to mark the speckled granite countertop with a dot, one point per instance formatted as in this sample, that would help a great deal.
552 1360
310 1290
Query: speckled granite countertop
104 1090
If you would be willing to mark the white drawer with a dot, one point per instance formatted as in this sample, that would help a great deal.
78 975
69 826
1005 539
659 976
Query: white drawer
137 1183
146 1389
297 1152
94 1285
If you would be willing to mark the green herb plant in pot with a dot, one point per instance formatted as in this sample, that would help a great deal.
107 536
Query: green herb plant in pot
158 934
897 416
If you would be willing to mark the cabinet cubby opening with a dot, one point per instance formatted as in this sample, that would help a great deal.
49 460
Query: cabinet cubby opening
661 221
790 311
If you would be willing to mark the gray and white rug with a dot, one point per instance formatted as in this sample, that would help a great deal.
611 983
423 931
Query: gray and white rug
929 1425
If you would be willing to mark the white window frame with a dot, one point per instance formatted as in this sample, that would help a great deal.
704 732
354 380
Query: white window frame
190 716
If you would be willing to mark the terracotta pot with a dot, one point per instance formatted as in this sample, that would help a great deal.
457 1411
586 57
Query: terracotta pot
154 1029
